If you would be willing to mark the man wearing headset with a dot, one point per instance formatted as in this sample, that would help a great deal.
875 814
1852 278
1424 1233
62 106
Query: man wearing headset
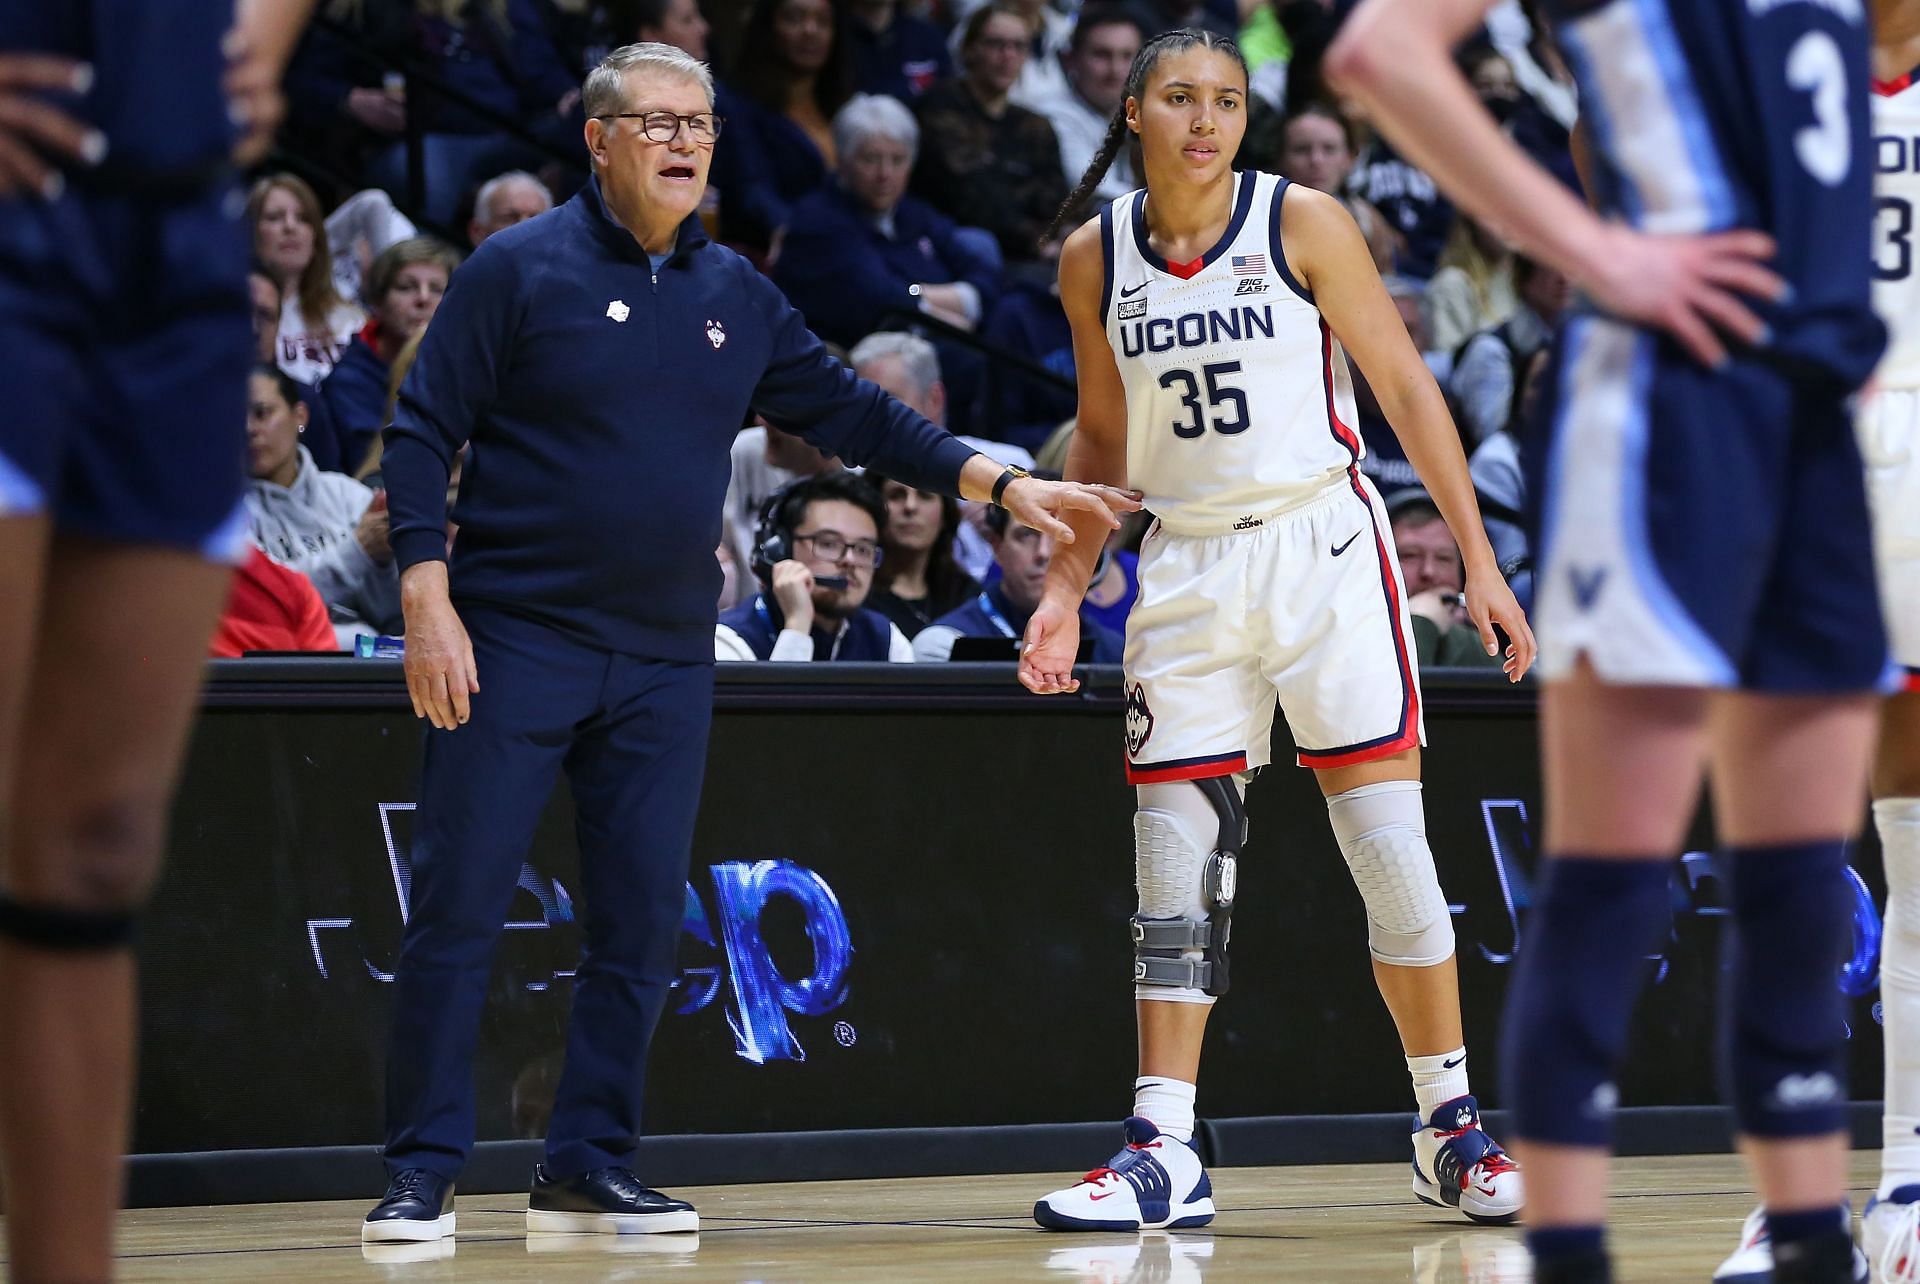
815 551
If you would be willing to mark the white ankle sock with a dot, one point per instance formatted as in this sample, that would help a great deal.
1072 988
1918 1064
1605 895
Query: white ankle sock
1437 1079
1898 820
1165 1103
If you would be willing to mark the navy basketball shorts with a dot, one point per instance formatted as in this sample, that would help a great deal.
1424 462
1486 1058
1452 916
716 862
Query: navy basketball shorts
123 391
1700 527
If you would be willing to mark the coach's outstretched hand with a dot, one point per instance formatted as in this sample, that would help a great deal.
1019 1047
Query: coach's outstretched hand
439 656
33 130
1049 506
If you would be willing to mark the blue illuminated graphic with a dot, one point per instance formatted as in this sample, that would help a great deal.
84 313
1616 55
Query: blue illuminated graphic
761 997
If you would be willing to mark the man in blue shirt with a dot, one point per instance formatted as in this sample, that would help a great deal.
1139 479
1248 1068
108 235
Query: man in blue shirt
1004 607
597 361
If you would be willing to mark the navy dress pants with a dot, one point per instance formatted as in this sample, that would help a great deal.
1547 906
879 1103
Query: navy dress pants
631 735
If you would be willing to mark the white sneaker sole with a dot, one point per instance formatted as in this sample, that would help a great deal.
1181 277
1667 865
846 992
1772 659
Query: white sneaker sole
1471 1207
546 1223
1187 1217
401 1231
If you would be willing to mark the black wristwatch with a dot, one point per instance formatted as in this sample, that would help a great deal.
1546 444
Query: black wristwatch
1013 473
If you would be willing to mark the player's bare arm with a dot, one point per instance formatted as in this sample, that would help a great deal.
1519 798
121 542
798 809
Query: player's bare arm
1326 251
1098 454
1394 56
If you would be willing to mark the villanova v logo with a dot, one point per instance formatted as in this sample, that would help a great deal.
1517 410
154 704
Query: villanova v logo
1586 584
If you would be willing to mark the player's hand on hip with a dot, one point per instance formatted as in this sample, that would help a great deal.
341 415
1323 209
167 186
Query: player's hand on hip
1697 288
793 590
35 135
252 87
1044 505
1491 602
441 674
1049 648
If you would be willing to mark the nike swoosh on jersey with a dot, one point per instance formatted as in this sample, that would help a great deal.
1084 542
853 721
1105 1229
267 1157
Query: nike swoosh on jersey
1349 544
1131 290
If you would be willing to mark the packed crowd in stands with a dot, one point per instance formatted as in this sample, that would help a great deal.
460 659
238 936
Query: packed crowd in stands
894 166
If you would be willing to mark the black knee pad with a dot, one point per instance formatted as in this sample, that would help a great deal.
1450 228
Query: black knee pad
67 931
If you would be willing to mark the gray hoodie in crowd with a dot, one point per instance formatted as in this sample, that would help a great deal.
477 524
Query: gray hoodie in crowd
309 526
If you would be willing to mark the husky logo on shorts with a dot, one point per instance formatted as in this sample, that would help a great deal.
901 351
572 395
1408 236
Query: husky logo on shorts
1139 720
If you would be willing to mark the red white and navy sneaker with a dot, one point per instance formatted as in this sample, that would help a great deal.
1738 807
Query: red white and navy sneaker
1890 1232
1154 1183
1456 1165
1752 1262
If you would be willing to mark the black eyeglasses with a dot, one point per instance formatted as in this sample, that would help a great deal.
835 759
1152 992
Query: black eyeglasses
664 126
832 547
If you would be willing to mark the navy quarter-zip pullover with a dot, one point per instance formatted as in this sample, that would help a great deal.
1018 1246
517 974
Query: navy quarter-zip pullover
600 397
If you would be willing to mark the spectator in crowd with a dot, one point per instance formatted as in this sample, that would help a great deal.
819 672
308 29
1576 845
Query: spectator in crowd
983 161
1028 319
271 607
894 53
1443 633
1097 59
1003 609
358 229
792 77
764 459
1049 26
1409 295
918 579
1500 479
815 557
402 290
1317 148
859 248
1487 376
1409 200
263 293
1473 290
506 199
1116 582
327 526
668 22
290 240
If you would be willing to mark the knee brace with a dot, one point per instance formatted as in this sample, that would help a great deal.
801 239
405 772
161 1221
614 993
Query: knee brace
1186 886
1382 832
66 931
1783 1028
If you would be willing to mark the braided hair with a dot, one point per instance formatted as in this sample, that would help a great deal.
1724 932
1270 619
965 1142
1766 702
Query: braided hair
1171 42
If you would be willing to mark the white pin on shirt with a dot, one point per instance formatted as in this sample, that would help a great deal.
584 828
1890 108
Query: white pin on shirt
618 310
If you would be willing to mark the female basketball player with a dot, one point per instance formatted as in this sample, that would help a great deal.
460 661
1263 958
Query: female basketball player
1706 591
1210 313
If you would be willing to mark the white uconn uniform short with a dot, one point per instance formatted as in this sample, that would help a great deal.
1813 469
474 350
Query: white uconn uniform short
1270 572
1890 418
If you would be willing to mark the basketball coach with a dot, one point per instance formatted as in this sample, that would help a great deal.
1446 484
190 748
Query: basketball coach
597 360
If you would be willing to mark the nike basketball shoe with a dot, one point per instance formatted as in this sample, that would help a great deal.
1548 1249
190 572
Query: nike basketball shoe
1154 1183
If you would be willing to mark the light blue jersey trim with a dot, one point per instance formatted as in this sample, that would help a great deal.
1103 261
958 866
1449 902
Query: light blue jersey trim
20 495
1690 112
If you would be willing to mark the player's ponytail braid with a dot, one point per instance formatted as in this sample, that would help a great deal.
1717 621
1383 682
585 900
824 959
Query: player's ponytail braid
1171 42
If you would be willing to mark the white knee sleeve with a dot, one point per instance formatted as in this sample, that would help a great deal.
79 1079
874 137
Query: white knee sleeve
1174 831
1382 832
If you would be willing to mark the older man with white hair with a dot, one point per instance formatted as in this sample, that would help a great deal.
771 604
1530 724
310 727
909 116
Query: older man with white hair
506 199
597 363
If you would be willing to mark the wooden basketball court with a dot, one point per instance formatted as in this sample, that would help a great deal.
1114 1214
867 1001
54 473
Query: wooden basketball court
1674 1219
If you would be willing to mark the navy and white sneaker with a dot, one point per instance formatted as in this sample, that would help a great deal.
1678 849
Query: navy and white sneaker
417 1208
1752 1262
1154 1183
1890 1232
1456 1165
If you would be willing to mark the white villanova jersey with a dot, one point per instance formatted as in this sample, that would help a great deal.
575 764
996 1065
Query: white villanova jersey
1239 403
1896 227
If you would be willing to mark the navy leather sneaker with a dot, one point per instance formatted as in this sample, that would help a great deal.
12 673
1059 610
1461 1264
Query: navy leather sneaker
609 1201
418 1207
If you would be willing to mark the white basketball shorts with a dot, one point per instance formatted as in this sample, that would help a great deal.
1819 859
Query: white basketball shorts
1307 607
1889 426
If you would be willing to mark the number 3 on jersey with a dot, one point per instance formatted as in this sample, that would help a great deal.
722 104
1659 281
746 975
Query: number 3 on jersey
1893 257
1218 394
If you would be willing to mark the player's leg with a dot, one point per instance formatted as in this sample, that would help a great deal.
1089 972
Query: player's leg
1890 1229
1622 769
1786 773
115 679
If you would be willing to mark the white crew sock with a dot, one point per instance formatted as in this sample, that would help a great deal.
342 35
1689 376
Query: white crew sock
1167 1104
1438 1079
1898 820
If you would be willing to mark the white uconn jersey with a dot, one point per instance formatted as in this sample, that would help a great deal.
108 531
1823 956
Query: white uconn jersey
1896 234
1239 404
